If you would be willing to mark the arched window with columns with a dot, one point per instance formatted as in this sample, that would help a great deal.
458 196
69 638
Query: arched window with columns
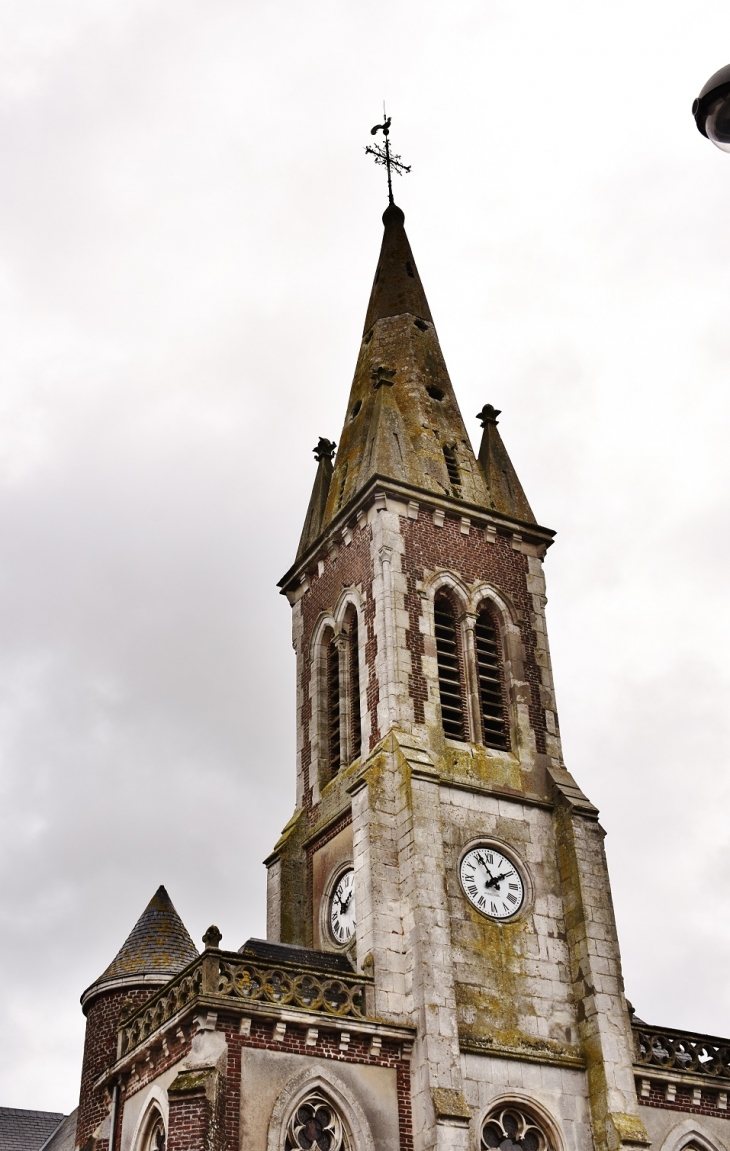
336 693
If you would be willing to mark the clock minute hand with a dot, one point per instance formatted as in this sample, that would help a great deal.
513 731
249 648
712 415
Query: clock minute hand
483 862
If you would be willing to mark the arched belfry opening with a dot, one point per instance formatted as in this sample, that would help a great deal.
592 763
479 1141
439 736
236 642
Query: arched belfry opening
331 701
354 731
490 676
448 654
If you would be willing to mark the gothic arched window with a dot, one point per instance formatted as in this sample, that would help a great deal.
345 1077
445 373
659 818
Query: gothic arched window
448 652
510 1128
153 1136
156 1140
353 684
315 1126
490 672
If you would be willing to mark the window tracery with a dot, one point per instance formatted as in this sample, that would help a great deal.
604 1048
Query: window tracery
510 1128
315 1126
154 1138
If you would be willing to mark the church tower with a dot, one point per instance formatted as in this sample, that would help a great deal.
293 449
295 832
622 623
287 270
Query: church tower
441 970
439 842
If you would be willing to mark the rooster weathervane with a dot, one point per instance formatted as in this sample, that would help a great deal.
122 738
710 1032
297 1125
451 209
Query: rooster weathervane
391 161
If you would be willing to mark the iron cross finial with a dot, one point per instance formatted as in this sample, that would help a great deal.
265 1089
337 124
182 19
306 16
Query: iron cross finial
390 160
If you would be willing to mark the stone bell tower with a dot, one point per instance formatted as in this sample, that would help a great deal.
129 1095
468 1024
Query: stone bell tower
438 839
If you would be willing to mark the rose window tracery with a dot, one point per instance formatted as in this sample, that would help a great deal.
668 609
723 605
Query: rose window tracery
512 1129
315 1126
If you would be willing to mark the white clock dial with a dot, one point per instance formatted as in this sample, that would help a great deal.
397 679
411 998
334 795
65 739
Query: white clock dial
342 908
492 883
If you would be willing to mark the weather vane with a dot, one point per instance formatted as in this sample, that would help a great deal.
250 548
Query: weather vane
391 161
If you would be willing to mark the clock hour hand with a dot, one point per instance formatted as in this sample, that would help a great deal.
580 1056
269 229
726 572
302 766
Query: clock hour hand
495 879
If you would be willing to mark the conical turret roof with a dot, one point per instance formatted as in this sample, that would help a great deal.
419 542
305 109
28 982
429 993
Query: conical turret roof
157 947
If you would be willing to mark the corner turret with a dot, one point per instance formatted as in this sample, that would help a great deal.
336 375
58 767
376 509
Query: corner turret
157 948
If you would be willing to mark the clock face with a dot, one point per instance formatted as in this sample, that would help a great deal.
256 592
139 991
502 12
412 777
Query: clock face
492 883
342 908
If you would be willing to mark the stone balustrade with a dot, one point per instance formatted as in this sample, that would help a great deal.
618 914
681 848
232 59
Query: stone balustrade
680 1052
219 979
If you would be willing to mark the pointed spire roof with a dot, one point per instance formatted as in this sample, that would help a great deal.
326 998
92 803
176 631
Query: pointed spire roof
323 454
508 496
397 288
403 422
157 948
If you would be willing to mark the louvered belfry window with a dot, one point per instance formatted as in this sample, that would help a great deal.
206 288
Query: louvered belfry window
452 467
354 686
491 691
333 706
447 652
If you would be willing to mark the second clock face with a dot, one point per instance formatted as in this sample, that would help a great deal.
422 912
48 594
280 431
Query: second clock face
492 883
342 908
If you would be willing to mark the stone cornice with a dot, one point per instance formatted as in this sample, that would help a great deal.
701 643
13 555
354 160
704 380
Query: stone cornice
478 1045
541 537
195 1014
126 982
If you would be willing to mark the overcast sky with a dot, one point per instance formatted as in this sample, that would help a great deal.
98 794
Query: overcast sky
188 233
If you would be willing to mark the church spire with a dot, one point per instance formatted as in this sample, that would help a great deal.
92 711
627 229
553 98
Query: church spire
397 288
403 422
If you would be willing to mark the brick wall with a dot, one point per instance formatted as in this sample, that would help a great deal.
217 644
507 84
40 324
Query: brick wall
100 1051
703 1101
189 1122
351 565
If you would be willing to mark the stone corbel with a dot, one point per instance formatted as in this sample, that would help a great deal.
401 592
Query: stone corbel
450 1107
